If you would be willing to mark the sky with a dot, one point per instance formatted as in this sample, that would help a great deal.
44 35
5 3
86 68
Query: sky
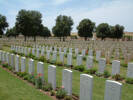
99 11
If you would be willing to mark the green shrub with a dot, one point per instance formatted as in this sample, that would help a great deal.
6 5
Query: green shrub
41 59
47 87
124 65
10 68
5 65
117 77
38 83
129 80
106 74
79 68
84 58
99 74
52 62
61 93
91 71
65 55
26 77
59 63
74 57
52 93
24 74
68 98
31 79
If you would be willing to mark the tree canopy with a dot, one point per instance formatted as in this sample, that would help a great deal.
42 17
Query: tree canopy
44 31
103 30
28 23
106 31
3 24
63 26
11 32
85 28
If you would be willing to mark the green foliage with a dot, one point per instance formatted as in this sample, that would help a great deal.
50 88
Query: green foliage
99 74
26 77
42 59
44 31
129 80
3 24
38 83
59 63
11 32
63 26
117 77
47 87
32 79
28 23
103 30
68 98
52 92
85 28
5 65
106 74
117 31
124 65
84 58
79 68
91 71
61 93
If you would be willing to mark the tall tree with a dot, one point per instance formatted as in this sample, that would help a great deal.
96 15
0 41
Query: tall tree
11 32
44 31
118 31
63 26
85 28
3 24
28 23
103 30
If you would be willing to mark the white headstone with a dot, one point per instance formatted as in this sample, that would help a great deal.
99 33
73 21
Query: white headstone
40 70
23 64
98 55
69 59
102 65
17 63
52 76
31 66
130 70
89 62
86 85
79 60
115 67
112 90
62 57
67 81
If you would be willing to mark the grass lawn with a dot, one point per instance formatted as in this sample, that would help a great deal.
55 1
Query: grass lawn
98 84
12 88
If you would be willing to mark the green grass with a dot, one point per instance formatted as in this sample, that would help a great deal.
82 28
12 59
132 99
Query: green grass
98 84
12 88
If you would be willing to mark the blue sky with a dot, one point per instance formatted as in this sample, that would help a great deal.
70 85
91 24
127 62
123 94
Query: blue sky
108 11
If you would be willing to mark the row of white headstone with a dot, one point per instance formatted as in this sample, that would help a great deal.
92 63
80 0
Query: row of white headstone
112 88
89 61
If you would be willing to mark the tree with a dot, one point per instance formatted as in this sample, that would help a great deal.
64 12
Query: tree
11 32
103 30
63 26
28 23
3 24
44 31
117 31
85 28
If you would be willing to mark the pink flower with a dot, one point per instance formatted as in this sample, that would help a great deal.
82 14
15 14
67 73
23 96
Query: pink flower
62 87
